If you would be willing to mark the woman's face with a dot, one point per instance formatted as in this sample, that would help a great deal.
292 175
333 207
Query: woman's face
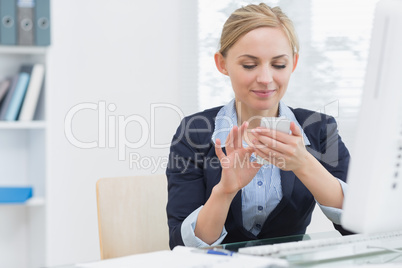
259 65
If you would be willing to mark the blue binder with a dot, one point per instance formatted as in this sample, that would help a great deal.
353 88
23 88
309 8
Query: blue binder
15 194
8 26
19 94
42 25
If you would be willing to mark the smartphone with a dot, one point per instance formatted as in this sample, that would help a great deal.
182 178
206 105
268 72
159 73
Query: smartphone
281 124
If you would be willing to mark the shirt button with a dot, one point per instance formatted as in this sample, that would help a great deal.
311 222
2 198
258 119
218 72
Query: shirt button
258 226
260 208
259 183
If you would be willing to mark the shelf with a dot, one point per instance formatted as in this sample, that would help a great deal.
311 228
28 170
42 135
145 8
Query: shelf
23 154
32 202
23 50
22 125
35 202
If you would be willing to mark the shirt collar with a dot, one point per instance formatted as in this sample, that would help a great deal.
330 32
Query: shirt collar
226 119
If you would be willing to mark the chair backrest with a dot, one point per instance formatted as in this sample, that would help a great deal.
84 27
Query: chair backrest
132 215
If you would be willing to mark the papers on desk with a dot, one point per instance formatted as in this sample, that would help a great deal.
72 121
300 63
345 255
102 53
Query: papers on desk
181 257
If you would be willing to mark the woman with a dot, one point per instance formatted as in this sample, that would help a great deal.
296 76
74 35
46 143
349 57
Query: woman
217 191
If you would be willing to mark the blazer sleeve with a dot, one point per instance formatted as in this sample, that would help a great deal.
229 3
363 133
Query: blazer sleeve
186 186
326 145
334 155
330 150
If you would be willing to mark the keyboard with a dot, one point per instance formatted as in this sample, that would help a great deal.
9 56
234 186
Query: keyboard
330 248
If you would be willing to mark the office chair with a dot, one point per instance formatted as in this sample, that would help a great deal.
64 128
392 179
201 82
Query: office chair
132 215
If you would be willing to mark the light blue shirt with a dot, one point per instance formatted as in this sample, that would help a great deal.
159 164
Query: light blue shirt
262 194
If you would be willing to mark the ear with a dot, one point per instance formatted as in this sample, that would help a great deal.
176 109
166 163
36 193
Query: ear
220 63
295 60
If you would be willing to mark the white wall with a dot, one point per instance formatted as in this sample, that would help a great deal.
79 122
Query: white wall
120 52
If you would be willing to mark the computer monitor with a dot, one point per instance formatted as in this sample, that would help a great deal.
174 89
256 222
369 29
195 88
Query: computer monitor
373 202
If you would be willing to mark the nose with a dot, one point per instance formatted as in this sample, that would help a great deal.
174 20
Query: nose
265 75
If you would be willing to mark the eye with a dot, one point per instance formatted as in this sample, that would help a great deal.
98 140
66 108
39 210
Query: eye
249 67
279 66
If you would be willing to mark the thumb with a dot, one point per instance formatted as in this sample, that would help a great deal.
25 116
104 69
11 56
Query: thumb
296 131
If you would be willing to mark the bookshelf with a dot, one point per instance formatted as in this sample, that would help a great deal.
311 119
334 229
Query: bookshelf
23 163
23 125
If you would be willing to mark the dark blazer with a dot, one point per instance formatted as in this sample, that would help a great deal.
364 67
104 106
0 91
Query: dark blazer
194 169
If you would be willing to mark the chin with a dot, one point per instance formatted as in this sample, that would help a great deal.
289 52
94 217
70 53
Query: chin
265 106
260 105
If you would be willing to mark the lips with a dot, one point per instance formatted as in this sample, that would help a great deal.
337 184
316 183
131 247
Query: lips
264 93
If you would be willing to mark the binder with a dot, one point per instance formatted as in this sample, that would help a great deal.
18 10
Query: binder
8 27
25 11
6 102
17 194
42 25
4 86
32 95
19 93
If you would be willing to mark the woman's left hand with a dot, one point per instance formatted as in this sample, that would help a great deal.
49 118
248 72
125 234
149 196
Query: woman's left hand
286 151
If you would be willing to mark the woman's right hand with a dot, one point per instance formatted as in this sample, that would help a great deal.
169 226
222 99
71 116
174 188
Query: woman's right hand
237 172
237 169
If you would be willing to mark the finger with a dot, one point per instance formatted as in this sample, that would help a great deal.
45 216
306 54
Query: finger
218 149
268 146
236 143
295 129
229 140
272 143
264 132
261 130
249 136
243 128
288 147
277 136
241 134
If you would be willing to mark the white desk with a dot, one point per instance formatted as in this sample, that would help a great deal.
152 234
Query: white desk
183 258
160 259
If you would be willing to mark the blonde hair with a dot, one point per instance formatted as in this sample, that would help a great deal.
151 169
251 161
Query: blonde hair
251 17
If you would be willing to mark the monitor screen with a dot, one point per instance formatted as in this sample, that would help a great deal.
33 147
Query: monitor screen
373 202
